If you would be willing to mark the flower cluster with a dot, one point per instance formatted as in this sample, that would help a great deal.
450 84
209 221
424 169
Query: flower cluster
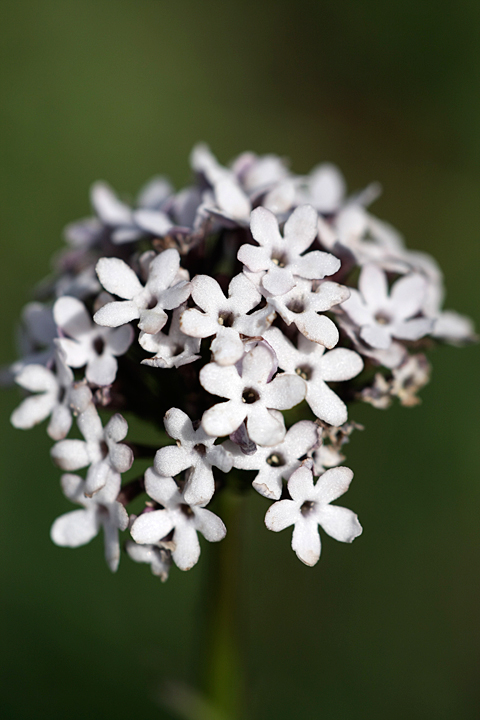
241 315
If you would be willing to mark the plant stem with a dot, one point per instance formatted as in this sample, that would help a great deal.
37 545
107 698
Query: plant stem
223 680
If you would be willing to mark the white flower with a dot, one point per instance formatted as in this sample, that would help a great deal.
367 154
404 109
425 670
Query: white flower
317 367
250 396
310 507
177 515
229 200
35 338
161 292
173 349
126 224
102 451
157 556
381 316
226 318
54 397
281 257
275 463
195 450
78 527
301 306
87 343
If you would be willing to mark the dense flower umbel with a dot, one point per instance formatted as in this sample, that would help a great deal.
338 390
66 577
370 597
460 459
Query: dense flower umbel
225 309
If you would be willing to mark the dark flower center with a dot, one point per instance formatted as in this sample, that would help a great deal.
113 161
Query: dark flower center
382 318
226 319
187 510
276 460
250 396
98 345
296 306
305 372
307 507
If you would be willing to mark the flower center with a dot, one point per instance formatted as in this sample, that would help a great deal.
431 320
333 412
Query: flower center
296 306
201 449
250 396
226 319
382 318
276 460
98 345
307 507
187 510
305 372
279 259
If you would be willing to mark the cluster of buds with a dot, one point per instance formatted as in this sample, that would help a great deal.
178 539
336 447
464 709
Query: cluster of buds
223 314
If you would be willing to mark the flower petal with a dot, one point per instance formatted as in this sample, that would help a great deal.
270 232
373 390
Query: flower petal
339 522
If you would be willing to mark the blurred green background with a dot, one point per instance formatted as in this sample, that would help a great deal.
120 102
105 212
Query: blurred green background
121 90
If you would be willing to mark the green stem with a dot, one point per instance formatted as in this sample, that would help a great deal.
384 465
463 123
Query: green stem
223 677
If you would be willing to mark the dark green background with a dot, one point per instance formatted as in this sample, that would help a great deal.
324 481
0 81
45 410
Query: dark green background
121 90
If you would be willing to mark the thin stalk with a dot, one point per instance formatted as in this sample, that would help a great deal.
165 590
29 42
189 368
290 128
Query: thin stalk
223 679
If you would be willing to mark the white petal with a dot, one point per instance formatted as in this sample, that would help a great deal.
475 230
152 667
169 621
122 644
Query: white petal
255 258
378 336
72 316
117 313
300 484
332 484
316 265
200 485
75 528
301 228
111 544
340 364
171 460
373 285
264 427
326 404
339 522
223 418
101 370
163 270
162 489
150 527
118 278
264 228
119 340
412 329
284 392
278 281
32 411
227 348
407 295
36 378
306 541
197 324
281 514
60 422
108 207
318 328
210 525
178 425
221 381
70 454
153 221
231 199
187 547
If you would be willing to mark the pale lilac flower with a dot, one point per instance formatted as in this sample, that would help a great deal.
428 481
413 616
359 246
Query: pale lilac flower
185 520
162 292
226 318
275 463
380 315
195 451
87 344
125 224
281 257
78 527
101 451
229 201
310 507
157 556
302 304
250 396
55 397
171 349
317 367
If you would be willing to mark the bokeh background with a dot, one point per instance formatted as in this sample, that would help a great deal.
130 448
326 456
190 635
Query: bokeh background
121 90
